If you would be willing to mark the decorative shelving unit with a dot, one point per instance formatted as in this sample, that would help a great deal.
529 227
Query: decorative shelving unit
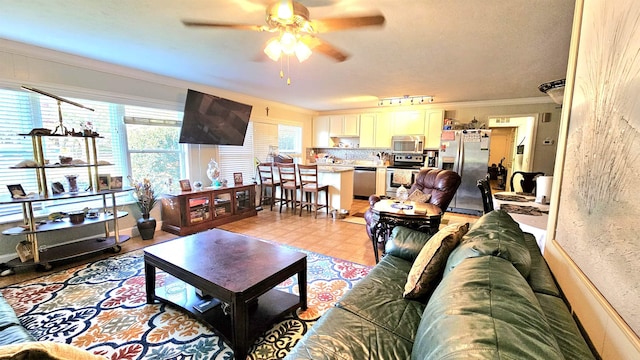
33 226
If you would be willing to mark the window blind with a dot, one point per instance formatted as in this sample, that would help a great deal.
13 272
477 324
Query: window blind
264 135
15 118
235 159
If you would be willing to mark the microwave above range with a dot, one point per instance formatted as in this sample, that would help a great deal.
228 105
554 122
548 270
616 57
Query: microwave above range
407 144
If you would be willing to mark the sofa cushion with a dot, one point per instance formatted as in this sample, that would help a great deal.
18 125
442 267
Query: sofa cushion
11 331
427 269
7 315
378 299
540 278
495 234
484 308
45 350
564 329
406 243
342 335
14 334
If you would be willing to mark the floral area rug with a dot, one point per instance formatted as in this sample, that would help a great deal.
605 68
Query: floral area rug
102 307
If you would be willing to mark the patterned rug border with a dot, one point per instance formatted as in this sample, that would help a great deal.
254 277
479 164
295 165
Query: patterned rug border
101 306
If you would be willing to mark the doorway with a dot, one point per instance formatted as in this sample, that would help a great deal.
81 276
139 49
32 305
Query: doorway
501 147
518 134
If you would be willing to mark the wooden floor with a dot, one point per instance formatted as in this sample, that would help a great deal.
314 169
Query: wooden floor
345 239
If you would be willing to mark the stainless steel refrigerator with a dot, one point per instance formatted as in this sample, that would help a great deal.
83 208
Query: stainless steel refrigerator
467 153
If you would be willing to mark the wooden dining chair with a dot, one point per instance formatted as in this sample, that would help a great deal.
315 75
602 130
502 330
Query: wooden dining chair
485 192
268 184
311 189
528 181
289 185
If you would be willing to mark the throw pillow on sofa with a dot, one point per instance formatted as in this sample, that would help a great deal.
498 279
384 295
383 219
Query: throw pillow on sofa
419 196
429 265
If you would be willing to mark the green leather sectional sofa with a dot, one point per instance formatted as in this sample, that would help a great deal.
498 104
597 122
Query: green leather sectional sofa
11 332
497 300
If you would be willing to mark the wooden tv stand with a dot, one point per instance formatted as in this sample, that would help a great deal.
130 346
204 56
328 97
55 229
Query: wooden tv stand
189 212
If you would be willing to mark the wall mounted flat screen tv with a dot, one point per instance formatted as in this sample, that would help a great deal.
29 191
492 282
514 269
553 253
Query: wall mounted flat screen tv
213 120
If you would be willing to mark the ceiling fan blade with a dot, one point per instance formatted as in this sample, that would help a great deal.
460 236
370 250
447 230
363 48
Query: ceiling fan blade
334 24
197 23
325 48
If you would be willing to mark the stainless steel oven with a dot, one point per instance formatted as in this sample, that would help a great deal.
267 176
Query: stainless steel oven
404 170
393 179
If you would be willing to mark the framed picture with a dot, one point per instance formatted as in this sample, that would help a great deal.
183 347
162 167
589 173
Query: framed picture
103 181
116 183
237 178
16 191
185 185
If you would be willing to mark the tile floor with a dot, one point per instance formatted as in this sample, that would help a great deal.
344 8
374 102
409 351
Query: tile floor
346 239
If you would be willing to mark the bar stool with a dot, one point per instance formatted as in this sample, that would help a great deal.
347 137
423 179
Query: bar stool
288 184
267 181
311 189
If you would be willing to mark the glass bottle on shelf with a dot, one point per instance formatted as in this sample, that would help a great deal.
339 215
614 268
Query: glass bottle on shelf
73 183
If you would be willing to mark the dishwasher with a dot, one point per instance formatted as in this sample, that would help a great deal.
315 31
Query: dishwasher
364 182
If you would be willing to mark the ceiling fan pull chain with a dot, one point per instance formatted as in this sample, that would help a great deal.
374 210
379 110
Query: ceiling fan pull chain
288 71
281 71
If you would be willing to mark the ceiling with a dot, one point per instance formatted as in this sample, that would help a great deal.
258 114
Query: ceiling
454 50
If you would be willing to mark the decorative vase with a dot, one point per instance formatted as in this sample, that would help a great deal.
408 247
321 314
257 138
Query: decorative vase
73 183
402 194
146 227
213 172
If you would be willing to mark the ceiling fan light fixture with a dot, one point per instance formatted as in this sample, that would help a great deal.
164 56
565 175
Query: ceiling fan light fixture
273 49
284 10
302 51
288 43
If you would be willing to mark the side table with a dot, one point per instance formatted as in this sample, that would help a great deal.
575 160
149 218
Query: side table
386 216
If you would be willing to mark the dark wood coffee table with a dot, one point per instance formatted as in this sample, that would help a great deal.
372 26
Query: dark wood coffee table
240 271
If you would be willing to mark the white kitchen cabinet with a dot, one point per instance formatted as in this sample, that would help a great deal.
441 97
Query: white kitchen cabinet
375 130
321 125
368 130
433 128
408 122
384 128
344 125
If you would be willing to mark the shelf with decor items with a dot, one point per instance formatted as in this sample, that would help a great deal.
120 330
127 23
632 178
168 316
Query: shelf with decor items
33 224
41 165
188 212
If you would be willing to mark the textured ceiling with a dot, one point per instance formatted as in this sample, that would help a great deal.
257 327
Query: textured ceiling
455 50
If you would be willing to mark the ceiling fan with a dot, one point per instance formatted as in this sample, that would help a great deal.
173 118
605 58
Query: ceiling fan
296 32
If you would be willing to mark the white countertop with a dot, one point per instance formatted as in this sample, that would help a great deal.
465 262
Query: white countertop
334 169
536 225
367 163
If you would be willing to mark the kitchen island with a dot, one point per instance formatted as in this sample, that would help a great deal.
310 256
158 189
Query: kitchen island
340 182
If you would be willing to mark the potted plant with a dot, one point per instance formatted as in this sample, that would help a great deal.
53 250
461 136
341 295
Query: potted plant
146 199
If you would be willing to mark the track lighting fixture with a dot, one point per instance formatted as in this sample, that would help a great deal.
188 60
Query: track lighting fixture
406 100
